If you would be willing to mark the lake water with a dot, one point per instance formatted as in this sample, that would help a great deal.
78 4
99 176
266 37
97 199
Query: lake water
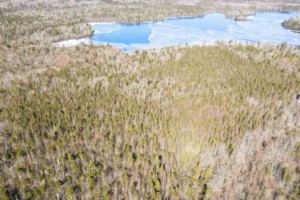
261 27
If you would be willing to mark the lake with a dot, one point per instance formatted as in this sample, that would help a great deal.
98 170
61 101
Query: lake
261 27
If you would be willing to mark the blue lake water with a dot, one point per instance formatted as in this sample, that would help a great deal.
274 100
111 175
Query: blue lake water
261 27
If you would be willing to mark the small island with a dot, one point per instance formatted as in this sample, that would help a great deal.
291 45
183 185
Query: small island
293 23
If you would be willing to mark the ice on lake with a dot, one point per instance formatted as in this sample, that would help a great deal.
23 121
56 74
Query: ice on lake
261 27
